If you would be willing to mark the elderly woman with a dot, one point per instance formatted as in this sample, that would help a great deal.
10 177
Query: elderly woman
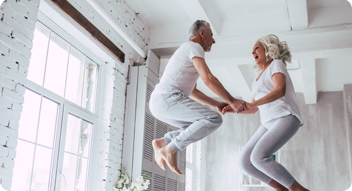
273 94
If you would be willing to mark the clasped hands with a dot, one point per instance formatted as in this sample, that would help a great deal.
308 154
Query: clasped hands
235 106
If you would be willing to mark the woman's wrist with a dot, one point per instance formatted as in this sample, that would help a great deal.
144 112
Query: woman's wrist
255 104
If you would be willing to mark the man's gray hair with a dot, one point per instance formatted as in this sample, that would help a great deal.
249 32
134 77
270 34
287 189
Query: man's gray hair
196 27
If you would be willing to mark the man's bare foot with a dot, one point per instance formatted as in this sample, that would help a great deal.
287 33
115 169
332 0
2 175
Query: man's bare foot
170 156
157 145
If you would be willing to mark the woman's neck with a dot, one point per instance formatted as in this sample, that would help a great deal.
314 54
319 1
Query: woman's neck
266 64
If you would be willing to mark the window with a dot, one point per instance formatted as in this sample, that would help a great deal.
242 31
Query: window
57 121
35 146
189 167
62 69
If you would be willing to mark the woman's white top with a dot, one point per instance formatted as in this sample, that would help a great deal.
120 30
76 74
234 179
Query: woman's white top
283 106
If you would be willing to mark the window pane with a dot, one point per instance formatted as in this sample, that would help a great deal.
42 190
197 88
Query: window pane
47 122
29 117
90 77
75 76
188 179
72 134
82 168
55 74
189 155
38 54
23 166
68 172
84 143
41 169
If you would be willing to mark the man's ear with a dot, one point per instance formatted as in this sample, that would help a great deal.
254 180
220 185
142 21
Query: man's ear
201 34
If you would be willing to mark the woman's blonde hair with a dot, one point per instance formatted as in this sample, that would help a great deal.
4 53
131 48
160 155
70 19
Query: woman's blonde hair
274 49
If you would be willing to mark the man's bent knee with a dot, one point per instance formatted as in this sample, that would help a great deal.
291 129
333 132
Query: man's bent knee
216 119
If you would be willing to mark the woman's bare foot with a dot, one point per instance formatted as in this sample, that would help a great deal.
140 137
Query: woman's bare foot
277 186
157 145
170 156
297 187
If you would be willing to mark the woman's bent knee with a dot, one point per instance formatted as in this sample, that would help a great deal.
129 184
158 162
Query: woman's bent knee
258 160
244 160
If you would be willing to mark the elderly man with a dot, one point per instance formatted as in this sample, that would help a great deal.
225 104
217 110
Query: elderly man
177 101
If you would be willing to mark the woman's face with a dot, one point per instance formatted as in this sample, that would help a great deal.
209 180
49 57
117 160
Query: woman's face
259 53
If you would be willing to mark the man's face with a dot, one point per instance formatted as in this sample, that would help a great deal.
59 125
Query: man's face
208 39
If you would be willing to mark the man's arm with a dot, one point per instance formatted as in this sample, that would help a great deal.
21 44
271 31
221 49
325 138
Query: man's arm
202 98
214 84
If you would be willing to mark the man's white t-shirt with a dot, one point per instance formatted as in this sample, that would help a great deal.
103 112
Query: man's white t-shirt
180 73
283 106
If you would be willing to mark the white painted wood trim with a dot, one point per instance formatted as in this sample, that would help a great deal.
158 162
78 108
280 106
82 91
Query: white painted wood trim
130 120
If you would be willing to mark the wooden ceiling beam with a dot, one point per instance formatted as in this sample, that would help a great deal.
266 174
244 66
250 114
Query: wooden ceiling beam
71 11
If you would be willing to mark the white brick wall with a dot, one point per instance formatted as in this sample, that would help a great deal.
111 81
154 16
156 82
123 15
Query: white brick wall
120 11
16 33
128 20
17 23
111 138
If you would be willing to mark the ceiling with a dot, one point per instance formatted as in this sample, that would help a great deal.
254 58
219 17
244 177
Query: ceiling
157 13
318 32
160 12
325 3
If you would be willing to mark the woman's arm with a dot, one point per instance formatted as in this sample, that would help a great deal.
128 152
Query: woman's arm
279 91
252 110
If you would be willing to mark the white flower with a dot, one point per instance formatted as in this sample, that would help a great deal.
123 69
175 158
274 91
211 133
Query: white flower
133 184
127 181
121 181
146 185
147 182
140 179
139 185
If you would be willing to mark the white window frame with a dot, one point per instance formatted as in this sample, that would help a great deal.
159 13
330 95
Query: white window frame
191 166
68 107
70 110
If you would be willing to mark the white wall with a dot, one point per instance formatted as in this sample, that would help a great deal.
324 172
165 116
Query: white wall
16 34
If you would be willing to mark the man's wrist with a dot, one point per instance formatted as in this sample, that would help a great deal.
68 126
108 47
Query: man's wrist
231 99
215 103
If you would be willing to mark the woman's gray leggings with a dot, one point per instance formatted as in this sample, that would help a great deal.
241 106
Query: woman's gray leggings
255 156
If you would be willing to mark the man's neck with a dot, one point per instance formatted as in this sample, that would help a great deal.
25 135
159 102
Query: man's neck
197 40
